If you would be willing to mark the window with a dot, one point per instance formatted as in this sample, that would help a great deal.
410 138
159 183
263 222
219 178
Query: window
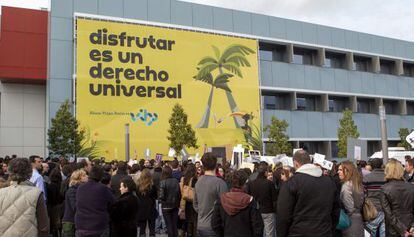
391 106
308 102
408 69
278 101
312 147
334 60
410 107
338 104
366 106
272 52
386 66
334 149
362 64
304 56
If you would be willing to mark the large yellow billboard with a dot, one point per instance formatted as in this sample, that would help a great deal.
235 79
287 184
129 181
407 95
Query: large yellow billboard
134 74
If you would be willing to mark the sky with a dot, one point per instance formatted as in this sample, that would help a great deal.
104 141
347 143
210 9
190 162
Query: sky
390 18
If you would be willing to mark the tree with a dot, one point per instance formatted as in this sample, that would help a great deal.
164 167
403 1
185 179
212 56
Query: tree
347 129
65 137
279 140
230 60
254 138
181 133
403 133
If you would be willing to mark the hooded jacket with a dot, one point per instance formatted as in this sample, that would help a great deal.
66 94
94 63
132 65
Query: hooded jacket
236 208
308 204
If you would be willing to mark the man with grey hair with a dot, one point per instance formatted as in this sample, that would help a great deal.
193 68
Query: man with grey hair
22 211
308 203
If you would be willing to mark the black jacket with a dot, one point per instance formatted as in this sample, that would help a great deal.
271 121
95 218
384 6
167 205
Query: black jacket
170 193
236 214
146 205
123 216
116 181
264 192
308 204
372 184
398 205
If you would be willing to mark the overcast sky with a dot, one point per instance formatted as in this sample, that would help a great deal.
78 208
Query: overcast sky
391 18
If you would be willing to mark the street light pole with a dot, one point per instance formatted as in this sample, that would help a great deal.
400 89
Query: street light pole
384 143
127 142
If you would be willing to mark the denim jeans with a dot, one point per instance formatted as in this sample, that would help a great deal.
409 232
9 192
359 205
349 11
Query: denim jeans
378 224
160 226
269 224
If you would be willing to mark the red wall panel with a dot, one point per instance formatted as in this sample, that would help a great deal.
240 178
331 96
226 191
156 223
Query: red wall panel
23 45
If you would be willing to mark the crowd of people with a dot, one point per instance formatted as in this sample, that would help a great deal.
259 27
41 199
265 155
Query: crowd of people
53 197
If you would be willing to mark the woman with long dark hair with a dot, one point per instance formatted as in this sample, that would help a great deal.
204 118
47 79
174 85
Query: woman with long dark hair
54 201
147 194
170 197
352 198
186 205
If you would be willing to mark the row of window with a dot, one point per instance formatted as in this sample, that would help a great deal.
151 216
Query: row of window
306 56
308 102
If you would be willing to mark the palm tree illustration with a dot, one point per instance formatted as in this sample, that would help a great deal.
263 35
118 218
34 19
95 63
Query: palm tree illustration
228 66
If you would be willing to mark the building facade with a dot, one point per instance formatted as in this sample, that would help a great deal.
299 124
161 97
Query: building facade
308 73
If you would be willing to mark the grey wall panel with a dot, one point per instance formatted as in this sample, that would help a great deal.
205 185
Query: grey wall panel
327 79
181 13
159 10
277 28
324 35
315 124
355 82
61 59
364 42
309 33
280 74
330 124
299 125
61 28
381 84
393 125
285 115
377 44
341 80
411 83
399 47
359 120
405 122
242 22
86 6
267 116
312 78
409 47
266 73
296 76
60 90
338 38
111 8
351 40
136 9
203 16
223 19
61 8
404 86
392 82
260 25
372 128
389 46
294 30
368 82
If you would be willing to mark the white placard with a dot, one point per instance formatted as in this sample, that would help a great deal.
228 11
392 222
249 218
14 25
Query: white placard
287 161
410 139
326 164
247 165
147 153
318 158
171 152
295 150
357 153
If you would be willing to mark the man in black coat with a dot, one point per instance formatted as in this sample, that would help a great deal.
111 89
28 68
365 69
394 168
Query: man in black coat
235 213
308 203
121 173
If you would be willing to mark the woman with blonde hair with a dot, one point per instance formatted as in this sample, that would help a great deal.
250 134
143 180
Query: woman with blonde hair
352 198
77 178
397 201
147 194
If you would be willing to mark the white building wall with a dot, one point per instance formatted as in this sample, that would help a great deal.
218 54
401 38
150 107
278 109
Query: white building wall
22 119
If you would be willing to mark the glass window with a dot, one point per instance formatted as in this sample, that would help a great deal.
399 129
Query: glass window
308 102
338 104
334 149
410 107
391 106
362 64
408 70
311 147
334 60
386 66
304 56
272 52
366 106
269 102
275 100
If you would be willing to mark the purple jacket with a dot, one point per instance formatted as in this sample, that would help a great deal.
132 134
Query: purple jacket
92 202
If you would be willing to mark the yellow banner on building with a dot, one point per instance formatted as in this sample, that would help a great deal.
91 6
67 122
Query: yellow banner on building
134 74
